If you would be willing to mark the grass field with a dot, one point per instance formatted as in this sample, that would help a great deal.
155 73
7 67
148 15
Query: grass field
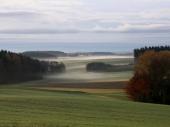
23 106
78 99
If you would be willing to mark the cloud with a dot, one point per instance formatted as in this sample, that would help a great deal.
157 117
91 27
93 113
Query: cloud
123 28
154 28
38 31
73 16
18 14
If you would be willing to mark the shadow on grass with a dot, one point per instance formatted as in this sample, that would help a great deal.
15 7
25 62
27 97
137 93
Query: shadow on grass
15 124
59 91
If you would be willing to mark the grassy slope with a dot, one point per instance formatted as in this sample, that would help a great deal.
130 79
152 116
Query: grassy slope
25 107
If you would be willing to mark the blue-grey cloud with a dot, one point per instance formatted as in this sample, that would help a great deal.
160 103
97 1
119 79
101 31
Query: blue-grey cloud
123 28
38 31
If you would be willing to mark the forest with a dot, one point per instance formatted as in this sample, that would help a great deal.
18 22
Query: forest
17 67
105 67
140 51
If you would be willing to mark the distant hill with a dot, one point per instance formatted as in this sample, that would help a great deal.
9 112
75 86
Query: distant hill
44 54
94 53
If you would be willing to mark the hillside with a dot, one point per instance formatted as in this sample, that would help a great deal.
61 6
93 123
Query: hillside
34 107
44 54
51 54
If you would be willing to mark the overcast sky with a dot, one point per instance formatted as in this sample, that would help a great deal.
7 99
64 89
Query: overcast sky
77 20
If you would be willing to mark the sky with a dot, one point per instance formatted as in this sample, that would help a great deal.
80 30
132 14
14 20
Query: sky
84 21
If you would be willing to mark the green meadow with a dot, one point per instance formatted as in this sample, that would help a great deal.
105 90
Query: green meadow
31 107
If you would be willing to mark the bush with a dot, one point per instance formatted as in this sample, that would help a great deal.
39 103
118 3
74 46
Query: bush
151 80
138 88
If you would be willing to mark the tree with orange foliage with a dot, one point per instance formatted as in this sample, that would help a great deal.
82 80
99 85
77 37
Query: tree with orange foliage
151 80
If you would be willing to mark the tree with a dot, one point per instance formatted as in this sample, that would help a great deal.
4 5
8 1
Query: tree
151 80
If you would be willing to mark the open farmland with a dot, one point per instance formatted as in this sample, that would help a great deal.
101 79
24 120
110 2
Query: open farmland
73 100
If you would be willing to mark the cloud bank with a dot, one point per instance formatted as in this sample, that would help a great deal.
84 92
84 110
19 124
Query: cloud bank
79 16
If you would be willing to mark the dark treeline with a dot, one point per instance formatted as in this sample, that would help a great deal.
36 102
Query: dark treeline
104 67
17 67
140 51
98 66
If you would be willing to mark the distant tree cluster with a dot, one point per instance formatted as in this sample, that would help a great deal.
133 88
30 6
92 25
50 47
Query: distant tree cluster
17 67
53 67
151 80
139 52
98 66
104 67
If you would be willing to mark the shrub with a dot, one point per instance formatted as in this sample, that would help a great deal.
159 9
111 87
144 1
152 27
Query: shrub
138 88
